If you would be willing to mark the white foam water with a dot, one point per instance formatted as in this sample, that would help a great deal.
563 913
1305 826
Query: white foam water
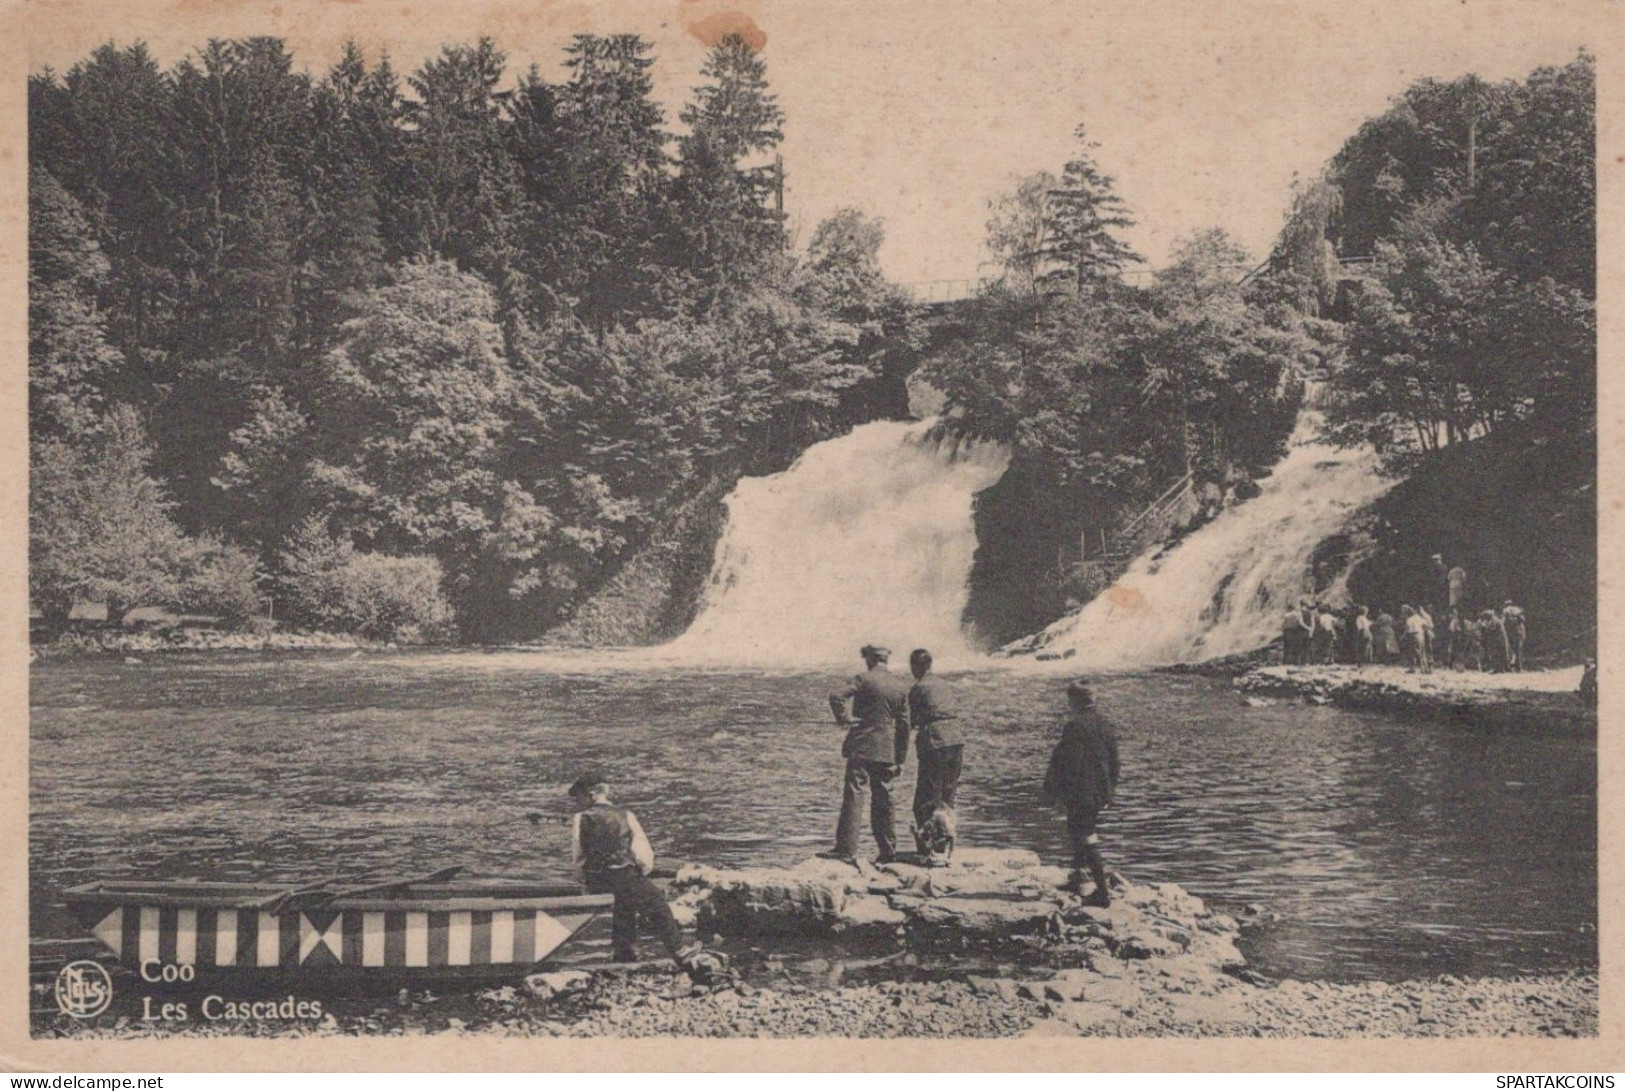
1223 589
867 538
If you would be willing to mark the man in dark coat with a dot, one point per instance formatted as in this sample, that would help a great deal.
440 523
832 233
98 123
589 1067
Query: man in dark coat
876 746
1293 637
937 741
1082 776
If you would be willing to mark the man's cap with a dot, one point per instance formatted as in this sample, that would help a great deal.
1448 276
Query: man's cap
874 651
1508 602
1438 557
586 782
1078 690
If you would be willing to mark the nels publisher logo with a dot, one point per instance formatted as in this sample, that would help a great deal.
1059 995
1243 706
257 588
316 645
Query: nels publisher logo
83 989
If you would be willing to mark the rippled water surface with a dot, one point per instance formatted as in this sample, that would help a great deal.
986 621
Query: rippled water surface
1385 848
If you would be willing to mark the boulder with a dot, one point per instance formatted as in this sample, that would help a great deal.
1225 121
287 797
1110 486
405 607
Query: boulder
991 916
997 900
547 986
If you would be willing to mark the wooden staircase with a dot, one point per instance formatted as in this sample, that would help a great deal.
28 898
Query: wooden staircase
1134 536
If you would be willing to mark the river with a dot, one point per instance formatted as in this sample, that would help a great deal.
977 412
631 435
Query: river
1379 849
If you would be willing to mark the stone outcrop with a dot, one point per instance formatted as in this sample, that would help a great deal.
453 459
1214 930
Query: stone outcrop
1543 701
998 900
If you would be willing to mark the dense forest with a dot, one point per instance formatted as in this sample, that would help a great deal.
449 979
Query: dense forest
1436 282
436 356
1467 351
407 353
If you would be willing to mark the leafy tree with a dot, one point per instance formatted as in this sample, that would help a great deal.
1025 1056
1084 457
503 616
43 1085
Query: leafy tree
330 585
1446 347
219 580
410 413
1018 230
1534 210
99 529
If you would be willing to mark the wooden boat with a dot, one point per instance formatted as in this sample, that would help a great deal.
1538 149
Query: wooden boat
419 929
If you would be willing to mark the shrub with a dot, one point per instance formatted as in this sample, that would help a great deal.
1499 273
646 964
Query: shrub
394 598
331 585
221 581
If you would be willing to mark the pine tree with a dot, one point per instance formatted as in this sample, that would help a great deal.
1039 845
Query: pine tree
727 222
1083 248
614 182
735 113
70 363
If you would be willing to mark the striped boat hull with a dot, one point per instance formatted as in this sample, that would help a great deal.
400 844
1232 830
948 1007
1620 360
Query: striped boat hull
221 930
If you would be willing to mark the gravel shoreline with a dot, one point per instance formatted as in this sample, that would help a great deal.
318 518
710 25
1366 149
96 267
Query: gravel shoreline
1162 1003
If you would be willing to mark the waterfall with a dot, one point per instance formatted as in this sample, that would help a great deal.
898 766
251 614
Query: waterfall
1223 589
867 538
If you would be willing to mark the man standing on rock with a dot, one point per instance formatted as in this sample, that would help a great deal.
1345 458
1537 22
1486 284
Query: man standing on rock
937 741
876 746
1082 776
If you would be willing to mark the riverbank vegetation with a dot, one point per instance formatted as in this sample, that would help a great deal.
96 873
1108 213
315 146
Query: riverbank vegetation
474 353
1109 393
1435 286
1468 351
453 344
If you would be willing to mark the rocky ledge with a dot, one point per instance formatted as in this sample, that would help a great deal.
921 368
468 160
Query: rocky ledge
987 947
997 902
1544 701
155 640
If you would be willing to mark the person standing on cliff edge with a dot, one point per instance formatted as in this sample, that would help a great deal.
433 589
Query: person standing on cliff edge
1082 776
875 748
939 744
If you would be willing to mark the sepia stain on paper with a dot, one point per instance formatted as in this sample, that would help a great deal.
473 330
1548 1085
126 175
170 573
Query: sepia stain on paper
713 28
1128 599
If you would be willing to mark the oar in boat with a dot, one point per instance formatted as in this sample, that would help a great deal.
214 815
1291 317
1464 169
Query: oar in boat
276 903
399 882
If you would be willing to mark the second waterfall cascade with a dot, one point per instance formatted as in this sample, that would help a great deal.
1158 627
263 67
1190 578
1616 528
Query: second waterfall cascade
1224 589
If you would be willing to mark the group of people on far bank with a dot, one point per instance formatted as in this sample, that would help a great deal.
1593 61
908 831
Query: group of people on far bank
1440 630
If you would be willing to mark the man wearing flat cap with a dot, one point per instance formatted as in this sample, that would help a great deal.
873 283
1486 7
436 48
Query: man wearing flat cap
875 748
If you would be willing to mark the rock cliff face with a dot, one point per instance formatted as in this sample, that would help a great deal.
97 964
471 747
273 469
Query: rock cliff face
998 901
653 596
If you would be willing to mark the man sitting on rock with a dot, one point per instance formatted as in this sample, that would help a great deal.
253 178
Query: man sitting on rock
1082 776
609 848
